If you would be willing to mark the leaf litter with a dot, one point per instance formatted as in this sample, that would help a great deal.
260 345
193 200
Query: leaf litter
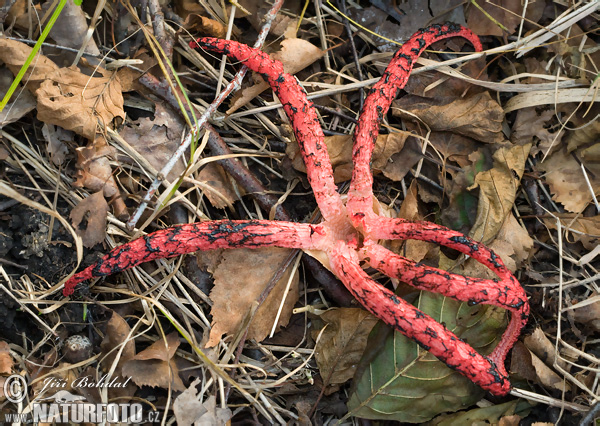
450 151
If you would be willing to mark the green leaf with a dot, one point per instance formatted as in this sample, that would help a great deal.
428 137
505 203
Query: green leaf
486 415
398 380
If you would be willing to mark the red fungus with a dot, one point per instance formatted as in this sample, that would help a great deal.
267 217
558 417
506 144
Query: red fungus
345 225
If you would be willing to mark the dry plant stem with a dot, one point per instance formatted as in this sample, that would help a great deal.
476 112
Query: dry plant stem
350 237
232 86
342 4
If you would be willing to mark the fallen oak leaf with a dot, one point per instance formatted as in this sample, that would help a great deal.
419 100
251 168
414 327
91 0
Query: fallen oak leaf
155 366
567 182
14 54
75 101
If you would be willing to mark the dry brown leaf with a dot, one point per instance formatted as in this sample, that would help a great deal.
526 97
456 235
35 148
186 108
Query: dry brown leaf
540 345
19 16
528 365
567 182
187 7
584 140
155 366
578 228
441 86
157 139
21 102
189 411
530 127
56 138
6 361
117 335
389 155
506 12
295 55
478 117
14 54
89 219
129 76
220 192
342 343
497 191
239 280
454 147
412 249
589 314
512 244
195 23
71 27
75 101
62 373
94 170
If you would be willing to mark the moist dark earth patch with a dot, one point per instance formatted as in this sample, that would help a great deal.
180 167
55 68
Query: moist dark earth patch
25 249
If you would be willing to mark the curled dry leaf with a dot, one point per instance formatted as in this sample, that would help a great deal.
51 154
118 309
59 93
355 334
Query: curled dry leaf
219 190
208 27
157 139
478 117
589 313
189 411
89 219
567 182
75 101
14 54
454 147
155 366
409 209
94 170
295 55
497 191
342 343
240 278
